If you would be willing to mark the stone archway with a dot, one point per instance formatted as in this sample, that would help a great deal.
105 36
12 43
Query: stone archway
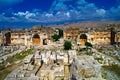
36 39
83 39
8 38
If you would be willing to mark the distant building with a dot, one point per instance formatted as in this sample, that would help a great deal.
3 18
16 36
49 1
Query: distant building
96 36
36 36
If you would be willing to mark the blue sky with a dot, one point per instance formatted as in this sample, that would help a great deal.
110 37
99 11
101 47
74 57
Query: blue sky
31 12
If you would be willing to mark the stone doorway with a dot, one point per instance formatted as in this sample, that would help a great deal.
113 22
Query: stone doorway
36 39
44 41
83 39
8 38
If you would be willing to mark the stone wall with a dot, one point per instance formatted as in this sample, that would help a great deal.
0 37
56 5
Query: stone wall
85 67
102 37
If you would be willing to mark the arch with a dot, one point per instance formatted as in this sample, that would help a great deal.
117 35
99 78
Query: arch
36 39
83 36
83 39
8 38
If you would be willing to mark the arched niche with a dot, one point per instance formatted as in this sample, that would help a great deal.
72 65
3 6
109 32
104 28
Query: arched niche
83 39
36 39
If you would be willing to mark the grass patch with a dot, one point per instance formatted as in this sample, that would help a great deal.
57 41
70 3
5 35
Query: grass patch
114 68
4 71
99 59
23 54
10 59
2 66
7 70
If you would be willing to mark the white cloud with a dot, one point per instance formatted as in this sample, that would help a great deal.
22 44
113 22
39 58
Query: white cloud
30 15
49 15
67 14
60 11
101 12
27 14
20 14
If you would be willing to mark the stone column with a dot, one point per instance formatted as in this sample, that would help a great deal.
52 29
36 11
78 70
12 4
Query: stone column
25 40
116 37
66 67
66 71
41 40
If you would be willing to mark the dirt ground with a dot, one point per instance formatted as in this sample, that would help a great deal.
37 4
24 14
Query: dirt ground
7 70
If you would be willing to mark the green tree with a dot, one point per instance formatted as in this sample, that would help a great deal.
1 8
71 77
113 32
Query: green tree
67 45
88 45
56 37
62 78
60 32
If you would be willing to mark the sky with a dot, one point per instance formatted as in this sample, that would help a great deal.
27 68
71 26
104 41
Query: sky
25 13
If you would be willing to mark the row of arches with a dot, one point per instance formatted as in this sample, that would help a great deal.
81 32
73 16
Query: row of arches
36 39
